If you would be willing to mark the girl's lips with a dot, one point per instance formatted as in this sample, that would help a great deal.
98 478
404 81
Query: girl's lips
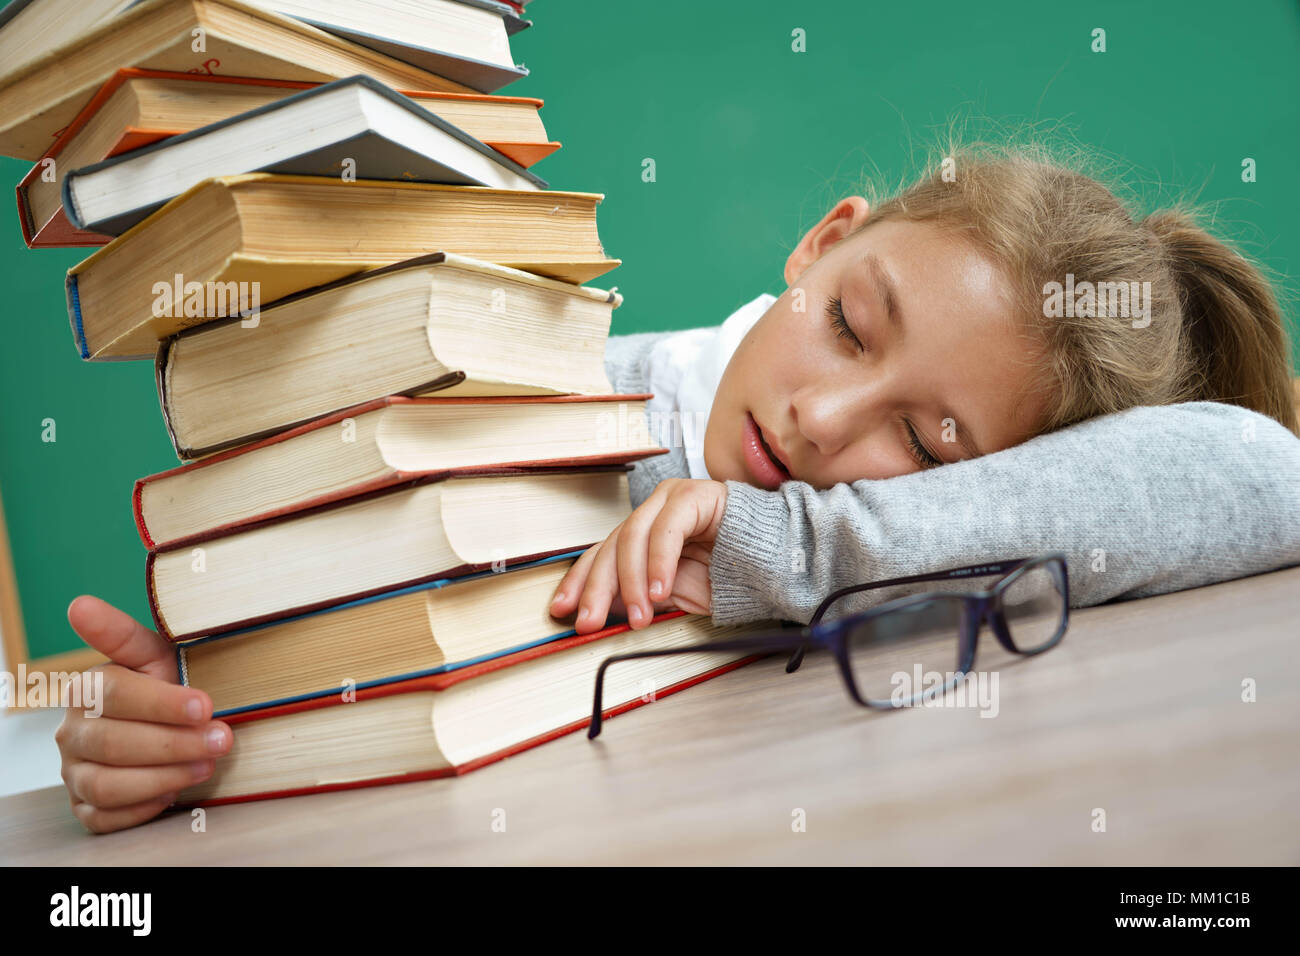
760 463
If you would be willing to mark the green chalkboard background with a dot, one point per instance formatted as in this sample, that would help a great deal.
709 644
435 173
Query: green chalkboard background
752 143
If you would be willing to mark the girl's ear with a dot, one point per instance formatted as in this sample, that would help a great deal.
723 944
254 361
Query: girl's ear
847 216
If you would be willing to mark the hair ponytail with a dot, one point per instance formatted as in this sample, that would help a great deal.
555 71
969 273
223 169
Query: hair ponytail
1231 321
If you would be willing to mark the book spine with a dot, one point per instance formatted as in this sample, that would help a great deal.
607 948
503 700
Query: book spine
74 316
25 210
155 611
137 508
161 367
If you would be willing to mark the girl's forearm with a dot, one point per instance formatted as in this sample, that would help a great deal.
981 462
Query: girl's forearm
1145 501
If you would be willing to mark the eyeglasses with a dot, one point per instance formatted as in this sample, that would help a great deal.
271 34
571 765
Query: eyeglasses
885 649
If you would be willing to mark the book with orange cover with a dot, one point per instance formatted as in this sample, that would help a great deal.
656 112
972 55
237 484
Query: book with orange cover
138 107
452 723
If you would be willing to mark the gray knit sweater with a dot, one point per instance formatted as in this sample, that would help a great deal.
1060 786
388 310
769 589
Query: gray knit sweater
1144 501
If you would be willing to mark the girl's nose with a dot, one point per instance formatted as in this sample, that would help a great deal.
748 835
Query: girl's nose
831 416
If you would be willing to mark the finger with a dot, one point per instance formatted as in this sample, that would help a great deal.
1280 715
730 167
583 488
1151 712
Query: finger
600 588
132 696
569 589
667 542
617 610
109 788
630 558
106 821
131 743
692 591
121 638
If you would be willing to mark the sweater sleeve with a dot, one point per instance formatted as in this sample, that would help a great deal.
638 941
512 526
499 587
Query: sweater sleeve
1143 501
626 358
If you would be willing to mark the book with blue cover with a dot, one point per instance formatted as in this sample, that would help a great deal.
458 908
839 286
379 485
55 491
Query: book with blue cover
431 628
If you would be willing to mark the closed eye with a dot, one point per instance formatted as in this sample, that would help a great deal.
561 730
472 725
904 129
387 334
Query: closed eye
835 312
920 453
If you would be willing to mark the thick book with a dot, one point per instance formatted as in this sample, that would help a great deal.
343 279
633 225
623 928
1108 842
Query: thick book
464 40
339 552
467 41
441 325
266 236
352 128
431 628
449 724
383 443
138 108
43 96
31 28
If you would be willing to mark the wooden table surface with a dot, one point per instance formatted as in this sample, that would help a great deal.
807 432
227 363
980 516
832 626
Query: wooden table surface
1138 712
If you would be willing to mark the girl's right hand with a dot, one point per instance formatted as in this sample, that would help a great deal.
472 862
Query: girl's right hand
153 738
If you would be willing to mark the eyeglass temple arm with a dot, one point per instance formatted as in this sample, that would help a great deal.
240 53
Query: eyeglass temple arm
762 642
968 571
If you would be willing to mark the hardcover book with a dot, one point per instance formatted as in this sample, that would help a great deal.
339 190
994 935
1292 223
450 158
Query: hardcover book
137 108
43 96
343 551
383 443
349 128
452 723
272 236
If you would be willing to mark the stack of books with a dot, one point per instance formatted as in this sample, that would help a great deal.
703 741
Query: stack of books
376 358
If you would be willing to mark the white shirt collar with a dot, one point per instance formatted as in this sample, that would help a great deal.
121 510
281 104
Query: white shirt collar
684 370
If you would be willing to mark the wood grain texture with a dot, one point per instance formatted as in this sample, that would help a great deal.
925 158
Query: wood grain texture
1138 711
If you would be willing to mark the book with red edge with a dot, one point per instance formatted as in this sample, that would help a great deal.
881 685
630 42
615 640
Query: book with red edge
432 527
286 472
452 723
55 231
41 97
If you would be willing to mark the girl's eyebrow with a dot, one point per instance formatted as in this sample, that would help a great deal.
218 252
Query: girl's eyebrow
884 284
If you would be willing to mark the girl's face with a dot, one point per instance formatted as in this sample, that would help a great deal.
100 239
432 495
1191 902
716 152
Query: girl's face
925 342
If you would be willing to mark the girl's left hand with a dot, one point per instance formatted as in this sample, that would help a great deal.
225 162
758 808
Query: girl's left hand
660 553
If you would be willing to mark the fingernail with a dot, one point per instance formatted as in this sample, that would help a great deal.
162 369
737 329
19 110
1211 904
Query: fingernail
216 740
200 769
656 589
635 614
556 600
169 798
194 709
583 615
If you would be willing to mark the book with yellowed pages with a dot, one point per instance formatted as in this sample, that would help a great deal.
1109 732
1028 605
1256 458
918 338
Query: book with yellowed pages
136 108
463 40
344 550
442 325
42 96
430 628
382 443
352 125
265 236
452 723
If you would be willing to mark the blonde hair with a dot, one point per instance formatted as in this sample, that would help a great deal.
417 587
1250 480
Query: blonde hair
1216 331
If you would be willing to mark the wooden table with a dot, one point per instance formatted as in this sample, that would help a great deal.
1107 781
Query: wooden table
1138 712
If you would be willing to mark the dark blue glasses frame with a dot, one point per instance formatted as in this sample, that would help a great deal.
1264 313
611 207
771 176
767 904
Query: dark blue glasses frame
977 607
